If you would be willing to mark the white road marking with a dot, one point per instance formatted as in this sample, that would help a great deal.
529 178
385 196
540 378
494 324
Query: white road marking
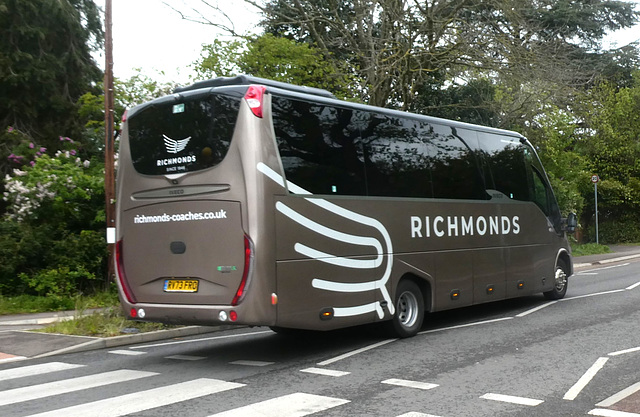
466 325
145 400
620 395
206 339
634 286
586 273
185 357
591 295
292 405
66 386
252 363
43 368
416 414
585 379
611 413
127 352
622 352
410 384
355 352
603 268
533 310
512 400
326 372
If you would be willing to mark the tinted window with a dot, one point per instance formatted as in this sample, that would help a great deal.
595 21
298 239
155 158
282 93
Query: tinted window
540 191
334 150
319 146
174 138
507 171
454 169
396 157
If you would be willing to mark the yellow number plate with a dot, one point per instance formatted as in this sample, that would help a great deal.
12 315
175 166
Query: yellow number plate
181 285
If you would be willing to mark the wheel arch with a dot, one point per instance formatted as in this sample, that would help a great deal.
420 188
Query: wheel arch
564 256
425 287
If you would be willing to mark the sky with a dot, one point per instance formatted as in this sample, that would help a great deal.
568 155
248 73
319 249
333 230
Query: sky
151 36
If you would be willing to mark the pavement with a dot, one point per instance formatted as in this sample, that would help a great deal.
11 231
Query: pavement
619 253
19 342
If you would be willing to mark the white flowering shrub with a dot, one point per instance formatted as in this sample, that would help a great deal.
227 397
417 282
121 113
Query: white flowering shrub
52 237
64 183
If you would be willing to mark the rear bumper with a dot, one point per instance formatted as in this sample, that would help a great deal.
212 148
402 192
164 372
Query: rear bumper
195 314
202 315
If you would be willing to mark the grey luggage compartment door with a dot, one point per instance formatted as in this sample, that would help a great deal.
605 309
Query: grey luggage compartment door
186 240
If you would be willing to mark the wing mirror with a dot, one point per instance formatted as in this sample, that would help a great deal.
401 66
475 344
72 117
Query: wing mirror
571 222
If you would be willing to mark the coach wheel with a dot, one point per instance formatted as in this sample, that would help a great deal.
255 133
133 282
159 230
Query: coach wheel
409 313
560 285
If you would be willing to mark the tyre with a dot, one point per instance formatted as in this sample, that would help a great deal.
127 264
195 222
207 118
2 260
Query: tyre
561 282
409 304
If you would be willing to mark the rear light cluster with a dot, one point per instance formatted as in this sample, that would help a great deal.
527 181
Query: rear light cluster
230 316
254 97
246 274
122 276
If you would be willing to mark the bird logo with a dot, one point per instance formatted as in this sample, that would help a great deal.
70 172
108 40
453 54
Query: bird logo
175 146
383 249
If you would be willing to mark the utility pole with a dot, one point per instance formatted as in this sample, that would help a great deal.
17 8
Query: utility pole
109 177
594 180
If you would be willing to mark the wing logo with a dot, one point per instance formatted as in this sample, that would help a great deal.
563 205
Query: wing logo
175 146
381 247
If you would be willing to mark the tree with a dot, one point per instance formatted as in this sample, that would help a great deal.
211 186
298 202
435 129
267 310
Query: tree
610 144
275 58
52 235
46 64
396 46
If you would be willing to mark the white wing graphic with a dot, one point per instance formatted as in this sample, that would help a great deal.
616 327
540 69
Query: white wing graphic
344 287
175 146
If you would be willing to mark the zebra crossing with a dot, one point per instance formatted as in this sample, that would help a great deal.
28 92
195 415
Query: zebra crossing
17 387
145 400
48 383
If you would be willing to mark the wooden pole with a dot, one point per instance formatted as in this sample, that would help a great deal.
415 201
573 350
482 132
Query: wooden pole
109 169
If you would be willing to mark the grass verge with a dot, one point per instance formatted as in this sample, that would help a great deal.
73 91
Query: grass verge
589 249
109 322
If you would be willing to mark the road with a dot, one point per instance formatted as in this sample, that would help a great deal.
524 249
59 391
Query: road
528 357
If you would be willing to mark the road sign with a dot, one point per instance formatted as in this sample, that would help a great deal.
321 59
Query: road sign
595 179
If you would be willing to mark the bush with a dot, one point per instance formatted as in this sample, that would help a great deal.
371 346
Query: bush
52 237
625 229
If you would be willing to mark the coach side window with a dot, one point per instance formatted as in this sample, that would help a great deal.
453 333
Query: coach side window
541 193
454 169
507 172
396 158
319 146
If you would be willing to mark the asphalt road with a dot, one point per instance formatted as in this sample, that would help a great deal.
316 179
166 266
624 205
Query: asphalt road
527 357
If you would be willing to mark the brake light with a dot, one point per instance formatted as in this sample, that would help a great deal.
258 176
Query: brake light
121 275
124 116
246 274
254 97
